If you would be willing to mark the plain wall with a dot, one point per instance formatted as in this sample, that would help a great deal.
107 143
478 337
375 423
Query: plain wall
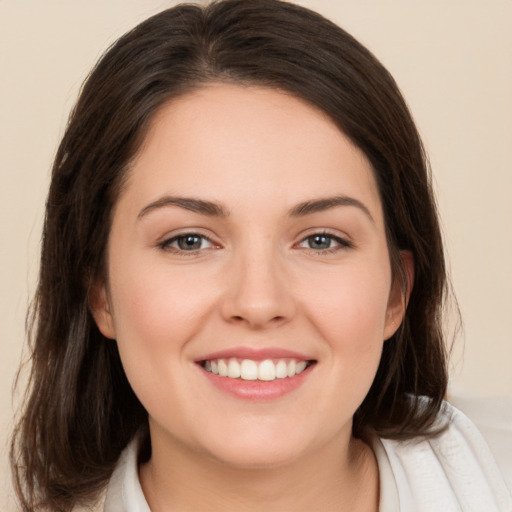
453 62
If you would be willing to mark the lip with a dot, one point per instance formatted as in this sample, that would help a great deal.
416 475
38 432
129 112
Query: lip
256 354
256 391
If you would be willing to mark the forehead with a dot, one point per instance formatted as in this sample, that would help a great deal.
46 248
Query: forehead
221 141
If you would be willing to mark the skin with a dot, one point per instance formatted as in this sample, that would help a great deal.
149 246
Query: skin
256 280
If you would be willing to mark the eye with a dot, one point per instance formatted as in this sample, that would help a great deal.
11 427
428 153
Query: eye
324 242
187 242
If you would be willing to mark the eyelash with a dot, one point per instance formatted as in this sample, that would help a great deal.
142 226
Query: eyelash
166 244
342 243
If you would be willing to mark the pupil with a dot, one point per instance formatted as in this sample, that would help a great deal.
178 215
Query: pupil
320 242
189 242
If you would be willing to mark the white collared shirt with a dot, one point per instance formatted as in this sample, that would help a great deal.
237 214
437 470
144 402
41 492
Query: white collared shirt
454 472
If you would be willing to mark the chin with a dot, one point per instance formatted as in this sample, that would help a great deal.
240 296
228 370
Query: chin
257 448
253 458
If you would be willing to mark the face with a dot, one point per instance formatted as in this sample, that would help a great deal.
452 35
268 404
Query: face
249 283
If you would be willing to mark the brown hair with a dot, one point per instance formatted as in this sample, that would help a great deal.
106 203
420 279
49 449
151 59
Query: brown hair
81 412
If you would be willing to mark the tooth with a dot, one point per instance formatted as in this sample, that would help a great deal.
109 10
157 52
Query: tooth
233 369
291 368
281 370
266 370
223 368
248 370
300 367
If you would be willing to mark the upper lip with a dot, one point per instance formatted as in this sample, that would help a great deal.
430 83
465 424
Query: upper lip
256 354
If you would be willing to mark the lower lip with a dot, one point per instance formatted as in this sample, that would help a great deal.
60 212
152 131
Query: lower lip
258 390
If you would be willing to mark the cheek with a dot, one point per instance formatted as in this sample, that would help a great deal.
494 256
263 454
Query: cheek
153 305
354 299
349 310
156 313
154 318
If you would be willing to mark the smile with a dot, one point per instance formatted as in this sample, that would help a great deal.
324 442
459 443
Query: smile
251 370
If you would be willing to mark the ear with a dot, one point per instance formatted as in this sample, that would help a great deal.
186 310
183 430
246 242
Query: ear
398 297
99 306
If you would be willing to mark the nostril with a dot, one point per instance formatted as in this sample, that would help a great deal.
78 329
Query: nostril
256 313
258 321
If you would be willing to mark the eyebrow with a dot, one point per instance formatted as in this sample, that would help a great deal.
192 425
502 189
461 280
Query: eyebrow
201 206
214 209
320 205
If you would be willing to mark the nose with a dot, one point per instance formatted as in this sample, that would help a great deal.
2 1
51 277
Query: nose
258 294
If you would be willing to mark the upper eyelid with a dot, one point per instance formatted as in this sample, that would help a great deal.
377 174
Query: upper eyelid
339 237
339 240
177 233
325 232
168 239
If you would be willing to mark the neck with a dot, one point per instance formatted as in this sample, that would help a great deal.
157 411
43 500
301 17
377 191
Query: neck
339 476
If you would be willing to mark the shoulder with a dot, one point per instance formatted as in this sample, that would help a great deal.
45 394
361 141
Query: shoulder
123 492
454 470
493 418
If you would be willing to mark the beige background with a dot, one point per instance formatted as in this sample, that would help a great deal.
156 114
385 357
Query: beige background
453 61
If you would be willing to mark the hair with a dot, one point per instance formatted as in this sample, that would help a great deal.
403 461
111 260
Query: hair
80 410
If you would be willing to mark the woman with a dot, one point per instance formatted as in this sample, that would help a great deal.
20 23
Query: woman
241 284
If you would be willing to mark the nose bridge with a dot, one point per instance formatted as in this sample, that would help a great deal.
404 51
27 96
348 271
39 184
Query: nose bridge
258 292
